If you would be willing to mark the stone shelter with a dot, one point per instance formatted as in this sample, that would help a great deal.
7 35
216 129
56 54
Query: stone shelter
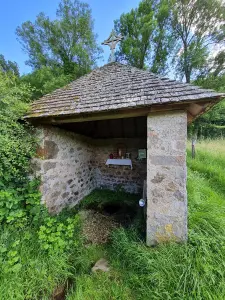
117 127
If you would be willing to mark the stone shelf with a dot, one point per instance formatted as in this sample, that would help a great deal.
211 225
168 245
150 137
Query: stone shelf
119 162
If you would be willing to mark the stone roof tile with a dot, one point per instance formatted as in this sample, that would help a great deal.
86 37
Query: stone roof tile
116 86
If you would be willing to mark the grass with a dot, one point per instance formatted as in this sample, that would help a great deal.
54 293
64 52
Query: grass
39 274
195 270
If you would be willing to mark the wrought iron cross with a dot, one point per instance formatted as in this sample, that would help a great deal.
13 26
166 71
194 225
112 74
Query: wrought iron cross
112 41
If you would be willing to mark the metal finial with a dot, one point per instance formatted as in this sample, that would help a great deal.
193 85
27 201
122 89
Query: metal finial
112 41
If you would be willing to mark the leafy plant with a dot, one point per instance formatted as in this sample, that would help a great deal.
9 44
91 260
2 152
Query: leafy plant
56 236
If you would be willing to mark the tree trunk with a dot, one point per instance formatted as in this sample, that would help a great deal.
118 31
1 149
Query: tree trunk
186 66
187 75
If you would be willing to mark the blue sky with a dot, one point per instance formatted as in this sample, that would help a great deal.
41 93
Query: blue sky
14 12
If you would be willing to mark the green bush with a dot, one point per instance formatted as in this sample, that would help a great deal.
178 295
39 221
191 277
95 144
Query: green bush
19 197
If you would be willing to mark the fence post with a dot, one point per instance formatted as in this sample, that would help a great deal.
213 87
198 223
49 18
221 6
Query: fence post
193 143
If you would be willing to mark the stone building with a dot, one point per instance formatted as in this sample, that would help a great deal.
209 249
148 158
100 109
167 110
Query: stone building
118 110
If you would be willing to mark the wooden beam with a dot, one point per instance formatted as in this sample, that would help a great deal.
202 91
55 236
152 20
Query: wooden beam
96 117
119 114
190 117
122 113
196 109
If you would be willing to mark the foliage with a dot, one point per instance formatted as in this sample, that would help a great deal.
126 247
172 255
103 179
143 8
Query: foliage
27 271
191 60
68 42
18 204
33 244
16 140
212 123
9 66
186 30
217 64
196 24
45 80
146 40
211 81
56 236
19 197
100 286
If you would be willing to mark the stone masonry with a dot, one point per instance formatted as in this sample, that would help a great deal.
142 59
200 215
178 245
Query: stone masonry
113 177
166 177
64 164
70 166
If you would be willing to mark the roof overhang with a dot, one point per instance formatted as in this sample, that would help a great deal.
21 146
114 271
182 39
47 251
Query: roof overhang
194 109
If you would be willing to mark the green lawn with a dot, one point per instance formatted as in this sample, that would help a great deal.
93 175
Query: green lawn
196 270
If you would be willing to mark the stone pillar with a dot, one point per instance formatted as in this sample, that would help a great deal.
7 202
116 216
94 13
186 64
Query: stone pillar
166 177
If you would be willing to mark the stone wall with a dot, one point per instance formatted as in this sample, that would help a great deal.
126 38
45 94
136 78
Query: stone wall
71 166
64 164
166 178
113 177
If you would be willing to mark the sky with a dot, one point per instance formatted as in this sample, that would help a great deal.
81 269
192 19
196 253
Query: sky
14 12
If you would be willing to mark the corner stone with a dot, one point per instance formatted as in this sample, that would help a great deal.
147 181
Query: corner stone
167 214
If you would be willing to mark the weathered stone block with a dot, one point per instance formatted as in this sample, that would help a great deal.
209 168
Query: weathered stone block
51 149
49 165
166 178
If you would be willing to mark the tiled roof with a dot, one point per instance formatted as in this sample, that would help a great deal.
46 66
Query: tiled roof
116 86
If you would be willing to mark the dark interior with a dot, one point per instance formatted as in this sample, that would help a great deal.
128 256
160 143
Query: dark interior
113 128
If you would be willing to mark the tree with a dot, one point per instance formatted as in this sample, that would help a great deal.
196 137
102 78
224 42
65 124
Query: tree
163 42
8 66
146 40
211 124
196 24
68 42
218 66
45 80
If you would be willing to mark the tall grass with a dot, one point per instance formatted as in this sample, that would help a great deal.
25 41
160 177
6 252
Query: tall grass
195 270
192 271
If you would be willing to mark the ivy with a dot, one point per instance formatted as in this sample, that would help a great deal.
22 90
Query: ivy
21 211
